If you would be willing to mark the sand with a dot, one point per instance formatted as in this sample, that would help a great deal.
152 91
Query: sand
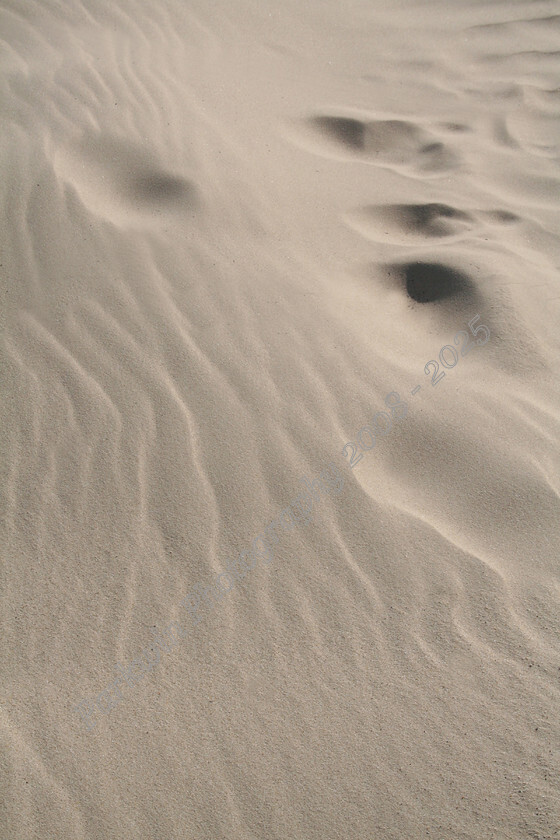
280 420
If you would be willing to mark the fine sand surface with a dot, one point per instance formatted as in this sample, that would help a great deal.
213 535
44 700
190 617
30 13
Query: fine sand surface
231 231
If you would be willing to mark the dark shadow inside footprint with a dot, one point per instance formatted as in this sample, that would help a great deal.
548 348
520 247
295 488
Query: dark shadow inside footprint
385 137
405 222
428 219
455 127
123 181
430 282
343 130
503 216
384 142
159 188
429 148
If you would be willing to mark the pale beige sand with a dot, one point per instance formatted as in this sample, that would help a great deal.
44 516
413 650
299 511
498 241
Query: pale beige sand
210 211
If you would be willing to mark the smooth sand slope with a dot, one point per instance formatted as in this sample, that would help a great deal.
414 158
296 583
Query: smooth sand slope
233 232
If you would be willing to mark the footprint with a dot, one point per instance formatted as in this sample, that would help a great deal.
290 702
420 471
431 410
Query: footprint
391 143
402 224
426 282
455 127
123 182
417 224
502 217
346 132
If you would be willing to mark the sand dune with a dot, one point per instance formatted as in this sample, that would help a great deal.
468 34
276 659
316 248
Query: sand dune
243 242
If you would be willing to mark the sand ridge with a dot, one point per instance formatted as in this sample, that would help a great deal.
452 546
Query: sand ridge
202 599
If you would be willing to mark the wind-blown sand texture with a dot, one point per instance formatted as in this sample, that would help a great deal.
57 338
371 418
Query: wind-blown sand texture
231 231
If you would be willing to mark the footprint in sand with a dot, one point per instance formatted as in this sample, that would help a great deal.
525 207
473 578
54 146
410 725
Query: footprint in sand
397 144
123 182
432 282
417 224
403 224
